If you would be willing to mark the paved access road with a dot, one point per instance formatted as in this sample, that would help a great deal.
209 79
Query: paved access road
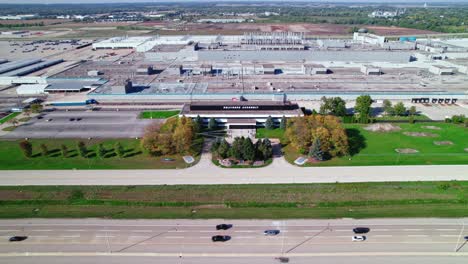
188 241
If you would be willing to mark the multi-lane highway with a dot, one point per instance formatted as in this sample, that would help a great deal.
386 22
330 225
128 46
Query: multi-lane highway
186 241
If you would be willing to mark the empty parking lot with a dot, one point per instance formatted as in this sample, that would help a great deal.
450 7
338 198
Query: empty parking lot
80 124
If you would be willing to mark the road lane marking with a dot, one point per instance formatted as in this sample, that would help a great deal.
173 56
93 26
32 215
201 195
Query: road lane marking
204 231
412 229
139 237
41 230
109 230
380 230
446 229
382 235
449 235
311 230
245 237
74 236
342 230
244 231
11 230
176 231
74 230
174 237
204 237
39 236
143 231
417 235
103 236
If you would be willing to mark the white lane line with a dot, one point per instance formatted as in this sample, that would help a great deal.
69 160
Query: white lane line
204 237
74 236
243 231
380 230
39 236
139 237
174 237
203 231
449 235
143 231
12 230
311 230
342 230
74 230
100 236
315 236
412 229
417 235
177 231
246 237
41 230
109 230
342 236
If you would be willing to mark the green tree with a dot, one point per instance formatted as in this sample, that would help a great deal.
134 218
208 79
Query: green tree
333 106
269 124
212 125
223 150
36 108
101 151
387 107
283 123
199 122
64 151
316 150
248 149
119 150
236 149
26 148
44 150
400 109
82 150
412 110
363 107
265 149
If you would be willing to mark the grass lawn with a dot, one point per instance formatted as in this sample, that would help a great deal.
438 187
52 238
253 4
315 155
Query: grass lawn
334 200
158 114
378 148
267 133
9 117
11 157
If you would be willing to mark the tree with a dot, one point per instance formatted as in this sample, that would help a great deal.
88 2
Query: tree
412 110
236 149
333 106
101 151
64 151
223 150
183 135
26 148
363 107
316 150
387 107
265 148
248 149
212 125
269 124
44 150
36 108
81 146
199 122
400 109
283 123
119 150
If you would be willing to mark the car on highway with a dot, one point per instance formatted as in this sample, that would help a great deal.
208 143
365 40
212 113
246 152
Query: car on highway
466 237
48 120
358 238
72 119
17 238
223 226
271 232
220 238
361 230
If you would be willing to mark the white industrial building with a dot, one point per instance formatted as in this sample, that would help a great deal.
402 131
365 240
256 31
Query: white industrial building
367 38
26 89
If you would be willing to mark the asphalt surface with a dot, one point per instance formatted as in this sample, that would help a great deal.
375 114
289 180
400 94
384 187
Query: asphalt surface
189 241
124 124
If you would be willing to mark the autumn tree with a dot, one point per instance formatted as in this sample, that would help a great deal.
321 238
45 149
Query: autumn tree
183 135
26 148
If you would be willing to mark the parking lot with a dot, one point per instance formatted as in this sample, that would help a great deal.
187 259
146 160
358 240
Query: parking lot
80 124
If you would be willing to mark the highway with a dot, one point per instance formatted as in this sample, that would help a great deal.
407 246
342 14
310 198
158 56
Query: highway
189 241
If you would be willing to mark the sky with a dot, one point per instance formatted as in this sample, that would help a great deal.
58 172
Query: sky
156 1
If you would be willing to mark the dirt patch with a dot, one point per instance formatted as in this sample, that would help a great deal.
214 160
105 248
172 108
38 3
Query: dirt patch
432 127
420 134
406 151
382 127
443 143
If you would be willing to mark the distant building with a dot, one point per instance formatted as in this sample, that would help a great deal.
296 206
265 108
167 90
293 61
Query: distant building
386 14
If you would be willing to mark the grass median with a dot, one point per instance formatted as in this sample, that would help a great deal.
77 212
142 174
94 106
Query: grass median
286 201
158 114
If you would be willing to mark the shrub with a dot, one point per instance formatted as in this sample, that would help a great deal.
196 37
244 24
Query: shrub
26 148
44 150
81 147
64 151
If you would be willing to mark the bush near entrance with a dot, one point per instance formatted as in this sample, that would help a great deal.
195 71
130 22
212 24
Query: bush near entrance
243 149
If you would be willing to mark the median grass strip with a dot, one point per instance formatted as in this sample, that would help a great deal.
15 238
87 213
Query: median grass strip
357 200
11 157
158 114
9 117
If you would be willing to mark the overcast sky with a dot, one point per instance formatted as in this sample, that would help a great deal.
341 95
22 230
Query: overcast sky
156 1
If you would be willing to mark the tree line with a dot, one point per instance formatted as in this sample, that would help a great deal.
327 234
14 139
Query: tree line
243 149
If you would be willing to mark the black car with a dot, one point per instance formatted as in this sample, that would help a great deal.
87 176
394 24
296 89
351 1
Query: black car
17 238
466 238
223 227
361 230
72 119
220 238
